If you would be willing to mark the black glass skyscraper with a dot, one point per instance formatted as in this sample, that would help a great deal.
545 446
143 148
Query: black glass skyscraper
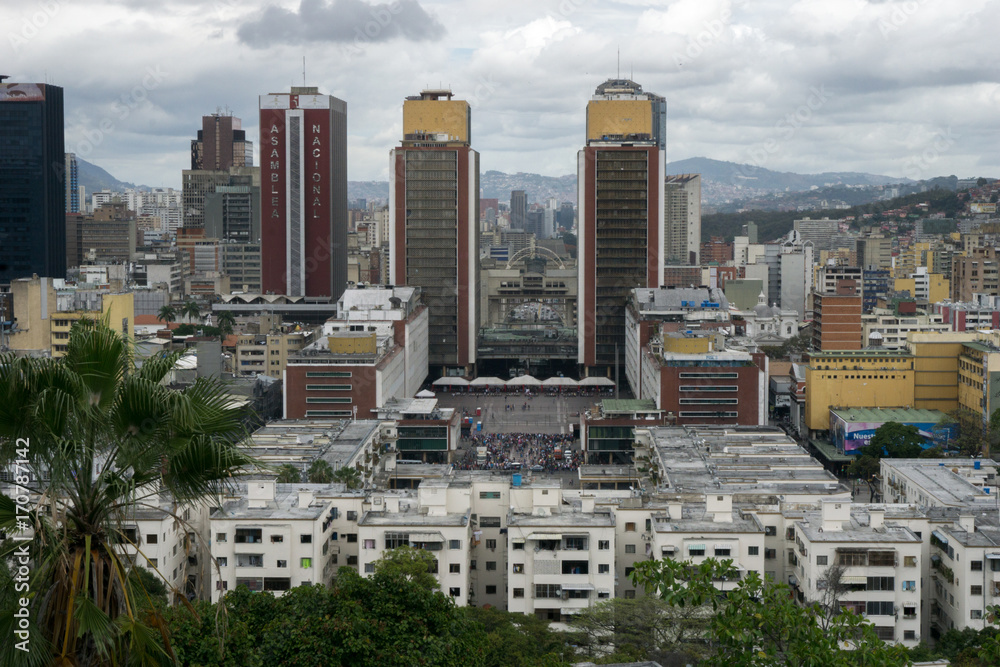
32 181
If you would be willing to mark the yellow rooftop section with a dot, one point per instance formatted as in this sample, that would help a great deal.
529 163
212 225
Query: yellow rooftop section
616 120
434 116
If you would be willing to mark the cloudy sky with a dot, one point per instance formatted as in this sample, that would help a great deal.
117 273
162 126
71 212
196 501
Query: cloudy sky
901 88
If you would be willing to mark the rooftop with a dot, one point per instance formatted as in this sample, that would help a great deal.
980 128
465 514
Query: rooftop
888 415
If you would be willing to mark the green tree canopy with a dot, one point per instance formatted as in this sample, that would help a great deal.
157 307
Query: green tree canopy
288 474
320 472
759 624
348 475
167 314
414 565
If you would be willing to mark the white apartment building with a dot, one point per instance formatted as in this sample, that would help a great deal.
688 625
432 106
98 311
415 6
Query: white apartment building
273 537
427 524
171 541
892 329
561 558
878 563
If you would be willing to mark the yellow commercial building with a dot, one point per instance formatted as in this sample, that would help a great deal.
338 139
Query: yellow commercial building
46 315
268 353
856 379
935 368
118 310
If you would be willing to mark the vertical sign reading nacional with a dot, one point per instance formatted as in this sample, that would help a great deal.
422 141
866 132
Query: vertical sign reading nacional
316 194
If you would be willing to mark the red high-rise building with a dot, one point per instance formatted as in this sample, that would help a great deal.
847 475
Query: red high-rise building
303 192
621 216
434 224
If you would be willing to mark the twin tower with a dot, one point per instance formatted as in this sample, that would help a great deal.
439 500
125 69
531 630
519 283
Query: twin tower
434 211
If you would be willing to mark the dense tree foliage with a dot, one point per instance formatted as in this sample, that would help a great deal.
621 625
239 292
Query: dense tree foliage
758 623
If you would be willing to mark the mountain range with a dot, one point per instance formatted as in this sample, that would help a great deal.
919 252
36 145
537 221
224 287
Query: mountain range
721 182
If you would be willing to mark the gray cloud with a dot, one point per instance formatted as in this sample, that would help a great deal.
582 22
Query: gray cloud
341 21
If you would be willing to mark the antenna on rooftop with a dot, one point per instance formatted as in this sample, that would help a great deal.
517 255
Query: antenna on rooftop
303 71
619 63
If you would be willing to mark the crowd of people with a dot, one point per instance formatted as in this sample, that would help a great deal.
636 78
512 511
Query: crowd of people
521 451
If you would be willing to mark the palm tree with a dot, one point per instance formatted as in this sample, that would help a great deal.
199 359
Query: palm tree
320 472
349 476
99 437
226 322
288 474
191 311
167 314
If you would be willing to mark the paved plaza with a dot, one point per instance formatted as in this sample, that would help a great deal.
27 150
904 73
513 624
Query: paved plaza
542 414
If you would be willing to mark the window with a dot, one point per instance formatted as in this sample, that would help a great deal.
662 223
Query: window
630 527
821 560
519 592
770 531
975 614
630 595
886 634
369 544
575 567
306 562
352 538
305 539
491 544
152 538
630 548
603 568
489 522
455 592
629 571
770 554
491 565
977 566
881 558
247 536
352 515
604 545
547 591
753 551
518 546
576 543
910 611
880 608
472 565
282 563
154 562
491 590
910 634
881 583
249 560
696 550
455 568
975 590
910 561
222 585
909 585
454 544
223 562
603 595
721 551
277 538
489 495
220 537
518 568
369 568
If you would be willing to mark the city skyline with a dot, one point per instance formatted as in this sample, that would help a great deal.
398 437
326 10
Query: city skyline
883 87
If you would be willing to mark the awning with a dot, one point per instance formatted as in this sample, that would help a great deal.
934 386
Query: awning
543 536
487 382
695 546
524 381
853 579
993 556
596 382
430 536
940 536
723 545
450 382
577 587
559 382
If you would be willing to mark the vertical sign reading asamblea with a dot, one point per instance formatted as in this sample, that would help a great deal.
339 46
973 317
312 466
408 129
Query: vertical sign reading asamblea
273 163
